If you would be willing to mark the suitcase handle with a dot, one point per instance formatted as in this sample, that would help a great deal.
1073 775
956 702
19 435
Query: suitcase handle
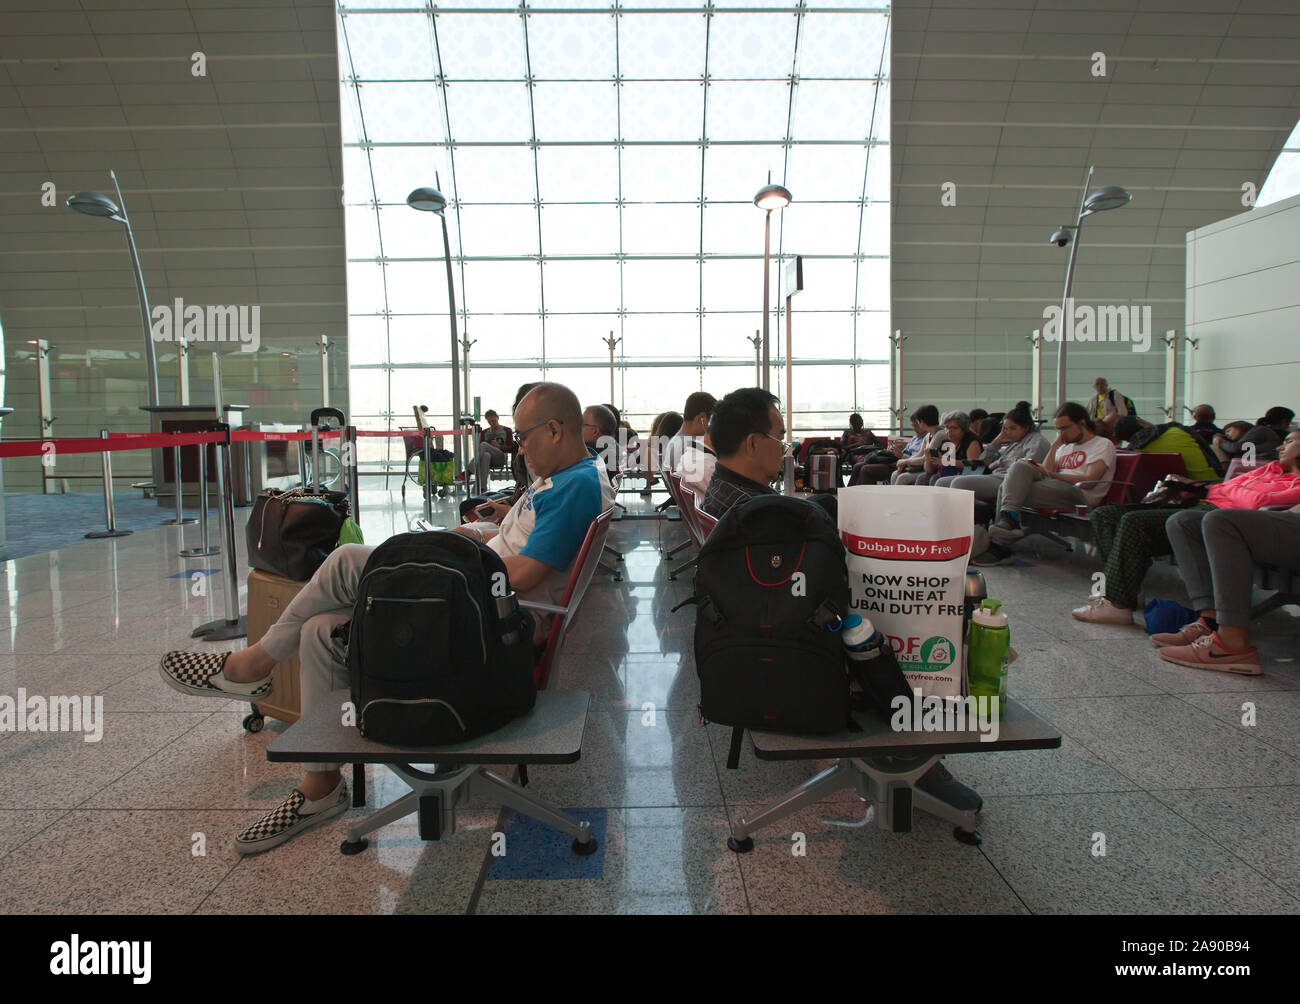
319 413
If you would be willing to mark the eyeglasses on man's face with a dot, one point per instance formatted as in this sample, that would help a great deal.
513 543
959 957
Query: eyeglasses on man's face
519 436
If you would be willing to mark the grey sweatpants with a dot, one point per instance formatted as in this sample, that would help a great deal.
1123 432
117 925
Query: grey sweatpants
489 456
985 486
324 603
1026 488
1217 550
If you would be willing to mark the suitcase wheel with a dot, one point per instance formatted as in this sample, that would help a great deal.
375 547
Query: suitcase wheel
254 722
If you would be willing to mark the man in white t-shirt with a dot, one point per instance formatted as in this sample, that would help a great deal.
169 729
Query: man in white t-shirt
1077 470
696 467
695 421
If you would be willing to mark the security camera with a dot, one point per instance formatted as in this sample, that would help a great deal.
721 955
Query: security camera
1061 238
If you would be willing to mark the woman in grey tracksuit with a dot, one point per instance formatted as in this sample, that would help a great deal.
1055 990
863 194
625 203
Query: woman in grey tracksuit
1018 440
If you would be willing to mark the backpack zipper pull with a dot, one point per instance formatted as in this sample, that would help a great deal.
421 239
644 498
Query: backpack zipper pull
370 602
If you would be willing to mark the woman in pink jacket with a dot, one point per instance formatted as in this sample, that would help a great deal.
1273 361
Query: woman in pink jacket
1143 533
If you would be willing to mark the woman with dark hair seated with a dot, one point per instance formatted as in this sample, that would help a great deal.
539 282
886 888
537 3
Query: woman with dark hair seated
1261 442
877 467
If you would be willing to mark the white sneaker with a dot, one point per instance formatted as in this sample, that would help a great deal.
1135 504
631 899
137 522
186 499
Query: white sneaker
1102 611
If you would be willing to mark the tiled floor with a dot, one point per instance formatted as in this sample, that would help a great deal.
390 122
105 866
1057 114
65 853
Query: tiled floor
1198 813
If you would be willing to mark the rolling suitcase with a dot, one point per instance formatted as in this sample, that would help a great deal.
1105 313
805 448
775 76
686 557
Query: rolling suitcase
268 595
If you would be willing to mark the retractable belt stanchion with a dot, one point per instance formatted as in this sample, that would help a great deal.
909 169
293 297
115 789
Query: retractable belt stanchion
428 475
205 548
234 625
351 466
180 519
110 515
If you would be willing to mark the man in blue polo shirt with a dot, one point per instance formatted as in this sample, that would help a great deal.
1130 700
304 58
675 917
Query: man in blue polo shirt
538 540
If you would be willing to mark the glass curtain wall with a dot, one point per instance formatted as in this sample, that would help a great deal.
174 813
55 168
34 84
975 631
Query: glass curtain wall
601 163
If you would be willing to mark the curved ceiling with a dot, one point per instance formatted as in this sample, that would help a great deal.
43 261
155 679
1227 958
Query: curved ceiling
1001 99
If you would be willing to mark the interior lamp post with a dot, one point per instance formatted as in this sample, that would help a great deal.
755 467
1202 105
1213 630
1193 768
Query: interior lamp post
1110 197
95 204
430 200
769 197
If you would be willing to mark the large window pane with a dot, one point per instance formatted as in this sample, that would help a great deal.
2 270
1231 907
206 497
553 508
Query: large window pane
480 46
661 285
661 45
661 337
661 229
503 287
661 111
573 46
570 230
582 286
578 173
496 112
574 112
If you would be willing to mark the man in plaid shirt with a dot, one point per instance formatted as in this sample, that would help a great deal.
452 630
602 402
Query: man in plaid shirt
748 435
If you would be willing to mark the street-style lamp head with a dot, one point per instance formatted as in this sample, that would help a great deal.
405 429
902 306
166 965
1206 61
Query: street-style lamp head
771 197
95 204
428 200
1110 197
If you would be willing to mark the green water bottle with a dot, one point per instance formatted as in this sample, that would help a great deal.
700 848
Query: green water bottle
988 647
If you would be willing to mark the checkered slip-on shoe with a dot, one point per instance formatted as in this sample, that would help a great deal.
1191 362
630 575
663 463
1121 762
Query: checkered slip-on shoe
291 817
200 673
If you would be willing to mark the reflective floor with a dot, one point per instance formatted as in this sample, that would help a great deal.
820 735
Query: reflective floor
1196 811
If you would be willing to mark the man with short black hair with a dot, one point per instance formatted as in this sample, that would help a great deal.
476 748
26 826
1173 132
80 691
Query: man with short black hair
747 433
695 423
600 433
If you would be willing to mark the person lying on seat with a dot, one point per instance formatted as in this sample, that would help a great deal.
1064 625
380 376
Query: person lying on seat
538 541
1128 538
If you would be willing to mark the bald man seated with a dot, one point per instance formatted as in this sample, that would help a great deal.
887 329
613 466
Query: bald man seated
538 540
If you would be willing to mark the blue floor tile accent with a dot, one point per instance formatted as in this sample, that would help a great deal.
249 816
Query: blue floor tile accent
535 851
36 523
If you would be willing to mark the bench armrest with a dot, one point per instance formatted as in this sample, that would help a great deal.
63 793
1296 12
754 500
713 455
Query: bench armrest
550 608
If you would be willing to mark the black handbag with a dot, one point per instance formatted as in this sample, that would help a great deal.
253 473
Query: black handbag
291 533
1171 493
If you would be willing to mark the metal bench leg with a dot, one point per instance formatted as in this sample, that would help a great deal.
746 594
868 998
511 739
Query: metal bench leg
839 775
680 547
684 568
606 567
390 813
1269 605
883 787
512 796
616 555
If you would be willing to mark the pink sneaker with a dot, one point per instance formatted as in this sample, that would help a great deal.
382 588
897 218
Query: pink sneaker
1208 652
1197 629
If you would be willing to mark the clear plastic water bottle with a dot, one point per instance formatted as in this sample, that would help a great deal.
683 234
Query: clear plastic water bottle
506 607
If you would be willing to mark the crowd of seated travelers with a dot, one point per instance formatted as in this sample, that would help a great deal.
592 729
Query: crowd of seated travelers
729 450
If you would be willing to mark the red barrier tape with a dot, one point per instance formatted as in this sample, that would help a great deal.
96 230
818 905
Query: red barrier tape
415 432
114 443
118 441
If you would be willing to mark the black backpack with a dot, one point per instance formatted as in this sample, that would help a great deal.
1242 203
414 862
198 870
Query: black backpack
766 656
427 651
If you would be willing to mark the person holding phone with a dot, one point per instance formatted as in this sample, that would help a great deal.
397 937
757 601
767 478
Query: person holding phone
954 449
1078 470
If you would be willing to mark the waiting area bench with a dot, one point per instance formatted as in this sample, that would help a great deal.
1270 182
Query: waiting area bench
551 733
891 788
